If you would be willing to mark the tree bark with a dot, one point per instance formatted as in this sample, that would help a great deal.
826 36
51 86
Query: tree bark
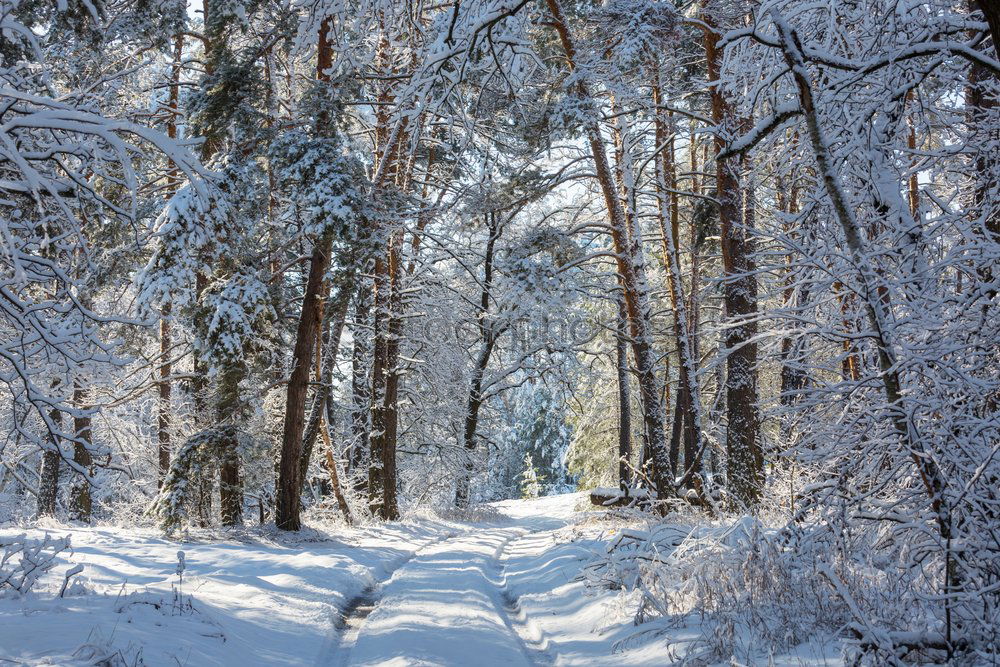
331 466
289 467
361 387
289 490
624 394
745 469
199 384
327 349
385 380
48 483
982 110
390 406
631 266
229 410
688 397
991 10
81 502
487 335
380 300
163 387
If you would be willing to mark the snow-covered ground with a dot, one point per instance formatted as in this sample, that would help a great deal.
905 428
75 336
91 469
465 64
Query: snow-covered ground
427 591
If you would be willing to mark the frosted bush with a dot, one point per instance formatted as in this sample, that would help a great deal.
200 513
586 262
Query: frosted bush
24 561
755 590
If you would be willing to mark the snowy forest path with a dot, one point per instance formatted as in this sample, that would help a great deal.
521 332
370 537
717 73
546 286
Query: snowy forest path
349 620
449 604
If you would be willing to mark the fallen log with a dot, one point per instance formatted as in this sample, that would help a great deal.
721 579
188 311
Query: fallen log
616 497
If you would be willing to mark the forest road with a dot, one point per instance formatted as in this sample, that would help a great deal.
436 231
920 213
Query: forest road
449 604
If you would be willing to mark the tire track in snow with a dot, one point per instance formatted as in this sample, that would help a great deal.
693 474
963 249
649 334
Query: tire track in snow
534 643
524 636
349 619
352 622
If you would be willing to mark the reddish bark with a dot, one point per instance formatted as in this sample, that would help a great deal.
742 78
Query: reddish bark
632 270
745 459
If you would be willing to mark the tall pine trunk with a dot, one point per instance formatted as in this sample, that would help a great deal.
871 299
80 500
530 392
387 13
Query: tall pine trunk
327 349
289 492
688 397
229 409
163 387
631 266
982 107
624 393
745 464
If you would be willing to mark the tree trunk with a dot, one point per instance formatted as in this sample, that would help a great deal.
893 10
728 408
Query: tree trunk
688 397
48 483
745 469
676 431
327 349
991 10
631 266
81 503
289 491
361 387
289 467
199 384
229 410
624 178
331 328
487 335
386 299
982 111
331 466
380 300
163 387
385 379
390 406
624 394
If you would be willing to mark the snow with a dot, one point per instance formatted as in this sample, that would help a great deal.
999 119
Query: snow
272 602
426 591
